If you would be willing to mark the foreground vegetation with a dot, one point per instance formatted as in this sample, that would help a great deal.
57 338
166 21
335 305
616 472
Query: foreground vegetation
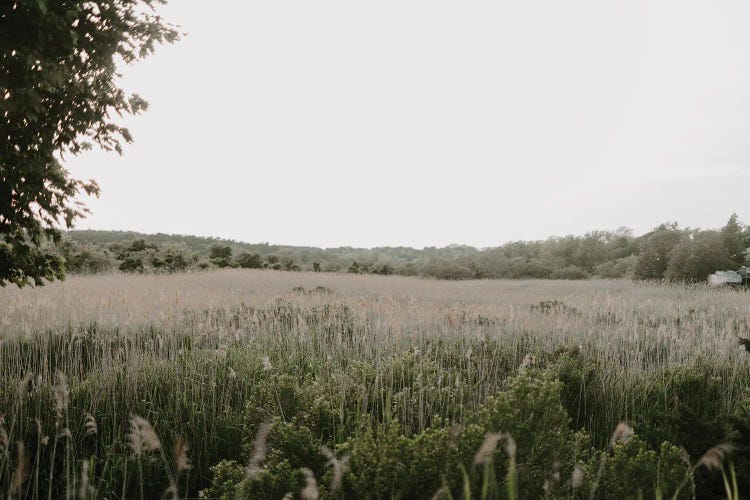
666 253
255 384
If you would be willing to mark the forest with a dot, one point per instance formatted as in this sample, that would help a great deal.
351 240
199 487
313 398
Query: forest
668 252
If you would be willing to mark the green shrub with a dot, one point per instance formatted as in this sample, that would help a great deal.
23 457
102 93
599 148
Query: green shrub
389 461
632 469
569 273
227 477
532 412
247 260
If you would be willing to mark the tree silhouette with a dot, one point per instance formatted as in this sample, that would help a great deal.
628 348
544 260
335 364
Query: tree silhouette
58 94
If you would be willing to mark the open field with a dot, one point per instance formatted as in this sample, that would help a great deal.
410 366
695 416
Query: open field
403 376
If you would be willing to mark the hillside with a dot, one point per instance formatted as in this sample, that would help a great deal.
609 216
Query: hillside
667 252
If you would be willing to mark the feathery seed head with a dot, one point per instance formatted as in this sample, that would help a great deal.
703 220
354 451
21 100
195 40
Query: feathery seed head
488 447
259 450
685 457
23 385
510 445
142 437
340 467
171 493
576 478
623 432
89 423
84 491
267 366
310 491
714 458
61 396
180 455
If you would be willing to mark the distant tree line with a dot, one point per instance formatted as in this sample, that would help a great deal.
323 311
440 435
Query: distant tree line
668 252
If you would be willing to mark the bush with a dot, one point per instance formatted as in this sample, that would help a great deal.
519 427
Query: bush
171 260
631 469
84 258
220 255
531 411
618 268
386 460
132 264
227 478
247 260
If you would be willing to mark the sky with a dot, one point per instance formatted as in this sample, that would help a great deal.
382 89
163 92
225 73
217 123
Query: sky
428 123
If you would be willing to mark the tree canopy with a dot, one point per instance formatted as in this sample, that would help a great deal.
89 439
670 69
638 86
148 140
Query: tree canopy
666 253
59 96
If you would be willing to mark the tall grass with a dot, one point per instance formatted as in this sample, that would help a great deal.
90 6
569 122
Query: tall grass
186 353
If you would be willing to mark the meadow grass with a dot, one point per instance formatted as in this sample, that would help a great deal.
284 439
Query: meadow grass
95 369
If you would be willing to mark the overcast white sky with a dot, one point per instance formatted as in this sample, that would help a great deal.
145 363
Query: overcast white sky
402 122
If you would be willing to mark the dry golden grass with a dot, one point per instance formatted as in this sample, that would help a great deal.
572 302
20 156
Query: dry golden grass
197 344
685 321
